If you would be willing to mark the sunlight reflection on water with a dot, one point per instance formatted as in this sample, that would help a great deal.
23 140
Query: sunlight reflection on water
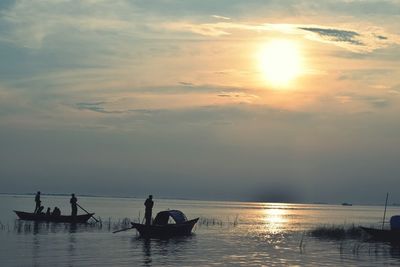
275 219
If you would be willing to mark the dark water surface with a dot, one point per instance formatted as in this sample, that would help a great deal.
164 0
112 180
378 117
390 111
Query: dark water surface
228 234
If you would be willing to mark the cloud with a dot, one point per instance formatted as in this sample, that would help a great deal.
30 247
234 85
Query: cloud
335 35
363 40
190 88
364 74
244 97
4 4
379 102
146 101
395 90
205 29
220 17
186 83
97 107
30 24
381 37
374 101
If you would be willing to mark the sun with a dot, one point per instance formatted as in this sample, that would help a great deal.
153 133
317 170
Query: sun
280 62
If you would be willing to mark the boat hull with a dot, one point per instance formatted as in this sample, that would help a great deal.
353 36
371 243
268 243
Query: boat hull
165 231
61 219
383 235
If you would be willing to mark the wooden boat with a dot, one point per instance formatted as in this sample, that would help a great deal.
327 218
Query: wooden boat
347 204
382 234
161 228
62 218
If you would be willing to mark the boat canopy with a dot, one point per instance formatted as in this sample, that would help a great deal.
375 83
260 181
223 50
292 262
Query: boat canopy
395 222
163 217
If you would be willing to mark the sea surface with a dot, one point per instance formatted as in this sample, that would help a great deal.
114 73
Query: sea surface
228 234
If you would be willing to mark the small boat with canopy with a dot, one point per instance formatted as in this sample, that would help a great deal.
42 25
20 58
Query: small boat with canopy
166 224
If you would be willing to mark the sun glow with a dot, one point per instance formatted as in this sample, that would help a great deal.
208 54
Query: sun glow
280 62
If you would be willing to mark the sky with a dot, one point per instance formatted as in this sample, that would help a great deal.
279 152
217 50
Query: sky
255 100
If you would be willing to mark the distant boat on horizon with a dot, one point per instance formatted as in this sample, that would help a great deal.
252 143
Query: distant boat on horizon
346 204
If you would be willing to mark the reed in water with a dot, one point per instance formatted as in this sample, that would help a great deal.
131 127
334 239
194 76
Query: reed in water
337 232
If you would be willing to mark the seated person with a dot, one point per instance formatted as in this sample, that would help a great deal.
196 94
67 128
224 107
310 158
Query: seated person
48 212
56 212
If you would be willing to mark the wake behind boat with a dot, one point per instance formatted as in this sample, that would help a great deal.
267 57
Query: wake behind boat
161 228
53 218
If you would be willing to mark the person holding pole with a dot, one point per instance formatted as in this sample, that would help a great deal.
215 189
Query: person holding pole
37 201
149 208
74 205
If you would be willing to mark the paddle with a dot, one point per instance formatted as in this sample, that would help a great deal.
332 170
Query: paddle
384 213
87 212
121 230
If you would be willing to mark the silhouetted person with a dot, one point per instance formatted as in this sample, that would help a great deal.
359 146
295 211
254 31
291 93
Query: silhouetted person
48 212
149 208
74 205
37 201
40 210
56 212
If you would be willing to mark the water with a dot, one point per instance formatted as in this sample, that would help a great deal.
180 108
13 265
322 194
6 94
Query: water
229 233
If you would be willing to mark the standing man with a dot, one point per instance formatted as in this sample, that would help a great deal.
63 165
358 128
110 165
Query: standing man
37 201
74 205
149 208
